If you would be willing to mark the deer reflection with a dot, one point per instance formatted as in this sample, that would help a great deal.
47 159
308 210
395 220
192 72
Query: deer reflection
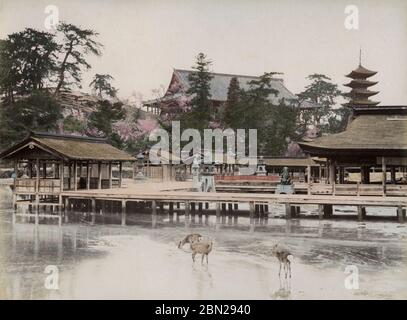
284 290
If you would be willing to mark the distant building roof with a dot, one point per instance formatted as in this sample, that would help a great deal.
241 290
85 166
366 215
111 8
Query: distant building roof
289 162
67 148
220 84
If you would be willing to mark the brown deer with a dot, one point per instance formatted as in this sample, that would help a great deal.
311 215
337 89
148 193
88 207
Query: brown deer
191 238
282 254
203 248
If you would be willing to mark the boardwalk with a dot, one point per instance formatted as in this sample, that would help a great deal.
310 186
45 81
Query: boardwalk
179 192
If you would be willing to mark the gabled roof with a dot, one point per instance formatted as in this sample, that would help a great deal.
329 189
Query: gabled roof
69 148
220 84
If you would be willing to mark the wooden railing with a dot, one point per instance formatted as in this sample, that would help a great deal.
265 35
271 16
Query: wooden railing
358 189
320 188
49 186
396 190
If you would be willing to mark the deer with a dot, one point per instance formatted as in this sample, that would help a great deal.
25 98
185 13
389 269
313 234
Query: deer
282 253
191 238
203 248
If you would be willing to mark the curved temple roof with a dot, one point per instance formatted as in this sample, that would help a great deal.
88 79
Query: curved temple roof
220 84
370 131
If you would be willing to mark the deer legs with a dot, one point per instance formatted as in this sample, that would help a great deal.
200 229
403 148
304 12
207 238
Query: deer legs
202 257
286 267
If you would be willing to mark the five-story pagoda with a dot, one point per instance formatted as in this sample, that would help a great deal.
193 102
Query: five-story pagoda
360 94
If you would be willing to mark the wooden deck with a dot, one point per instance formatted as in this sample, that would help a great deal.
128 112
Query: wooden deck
179 192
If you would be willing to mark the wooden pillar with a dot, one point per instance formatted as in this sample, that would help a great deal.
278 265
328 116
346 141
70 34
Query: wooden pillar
193 208
319 173
120 174
88 175
44 170
80 169
123 210
365 174
401 214
59 210
341 175
186 209
66 210
309 179
223 209
230 209
200 209
293 210
328 210
99 175
37 175
93 211
361 213
393 174
332 173
320 211
75 177
288 213
384 175
61 174
251 212
217 212
30 169
110 174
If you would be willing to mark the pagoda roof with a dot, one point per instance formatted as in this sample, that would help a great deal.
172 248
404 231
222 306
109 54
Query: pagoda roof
361 92
362 102
360 83
361 73
371 132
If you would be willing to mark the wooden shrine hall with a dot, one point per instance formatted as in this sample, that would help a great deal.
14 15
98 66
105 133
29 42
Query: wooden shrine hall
48 164
375 145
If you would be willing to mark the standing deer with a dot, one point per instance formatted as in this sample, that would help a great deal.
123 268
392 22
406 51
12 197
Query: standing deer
191 238
202 247
282 254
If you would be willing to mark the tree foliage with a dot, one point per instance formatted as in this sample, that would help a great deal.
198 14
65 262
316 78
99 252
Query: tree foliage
230 115
101 121
27 61
101 85
76 44
324 94
199 115
38 112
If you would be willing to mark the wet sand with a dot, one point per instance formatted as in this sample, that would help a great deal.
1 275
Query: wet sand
141 262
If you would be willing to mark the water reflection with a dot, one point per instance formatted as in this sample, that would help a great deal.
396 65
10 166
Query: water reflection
146 263
284 290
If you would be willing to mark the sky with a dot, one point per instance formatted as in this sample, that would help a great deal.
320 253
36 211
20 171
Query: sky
144 39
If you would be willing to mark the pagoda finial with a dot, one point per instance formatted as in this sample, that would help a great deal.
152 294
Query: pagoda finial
360 56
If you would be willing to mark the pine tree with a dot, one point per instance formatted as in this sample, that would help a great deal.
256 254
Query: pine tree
201 106
231 108
323 93
77 43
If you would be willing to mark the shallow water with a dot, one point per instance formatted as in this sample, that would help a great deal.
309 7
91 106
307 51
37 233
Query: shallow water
140 261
